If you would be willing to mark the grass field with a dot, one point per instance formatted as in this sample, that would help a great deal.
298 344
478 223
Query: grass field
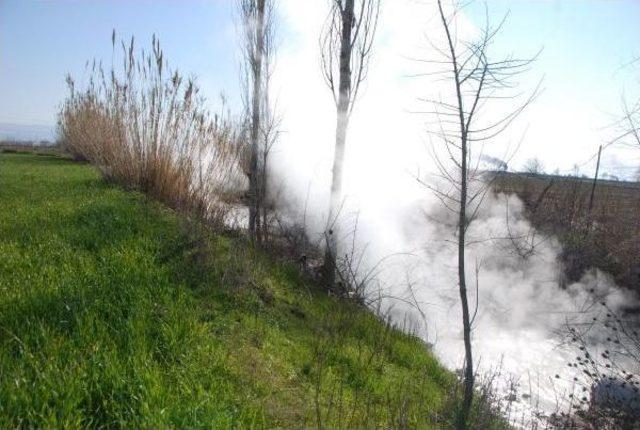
117 312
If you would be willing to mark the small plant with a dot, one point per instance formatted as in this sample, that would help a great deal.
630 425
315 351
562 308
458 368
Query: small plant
606 376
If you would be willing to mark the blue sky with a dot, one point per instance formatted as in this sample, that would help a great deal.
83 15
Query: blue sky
42 41
586 49
586 43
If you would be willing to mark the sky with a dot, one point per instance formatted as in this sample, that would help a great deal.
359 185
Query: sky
586 46
41 41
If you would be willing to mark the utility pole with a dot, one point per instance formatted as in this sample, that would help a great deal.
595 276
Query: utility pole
595 181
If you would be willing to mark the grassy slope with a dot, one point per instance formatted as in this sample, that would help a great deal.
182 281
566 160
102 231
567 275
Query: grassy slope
116 312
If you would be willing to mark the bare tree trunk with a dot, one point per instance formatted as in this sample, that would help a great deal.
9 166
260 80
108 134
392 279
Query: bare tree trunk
256 68
342 123
476 79
462 281
462 228
466 322
263 193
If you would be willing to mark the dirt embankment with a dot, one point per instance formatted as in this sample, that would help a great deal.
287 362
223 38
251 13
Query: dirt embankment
601 232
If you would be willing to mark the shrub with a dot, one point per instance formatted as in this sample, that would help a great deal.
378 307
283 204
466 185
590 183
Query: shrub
146 127
606 391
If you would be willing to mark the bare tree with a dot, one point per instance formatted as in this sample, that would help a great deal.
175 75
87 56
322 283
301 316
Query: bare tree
346 42
464 126
271 120
628 125
257 19
631 119
533 166
269 136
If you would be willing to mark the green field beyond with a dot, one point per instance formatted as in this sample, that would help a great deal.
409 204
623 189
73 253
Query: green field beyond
116 312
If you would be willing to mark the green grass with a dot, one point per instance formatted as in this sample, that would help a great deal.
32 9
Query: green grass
117 312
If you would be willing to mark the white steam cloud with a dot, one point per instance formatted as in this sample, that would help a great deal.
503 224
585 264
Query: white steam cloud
520 302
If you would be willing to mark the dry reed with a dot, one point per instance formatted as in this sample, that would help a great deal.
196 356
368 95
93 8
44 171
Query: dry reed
146 127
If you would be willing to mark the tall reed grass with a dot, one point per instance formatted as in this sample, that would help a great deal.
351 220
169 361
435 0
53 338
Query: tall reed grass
146 127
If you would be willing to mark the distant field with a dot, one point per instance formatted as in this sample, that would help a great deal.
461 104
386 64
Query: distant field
607 237
29 147
116 312
620 196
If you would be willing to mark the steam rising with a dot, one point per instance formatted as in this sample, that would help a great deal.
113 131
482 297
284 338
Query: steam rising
520 303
